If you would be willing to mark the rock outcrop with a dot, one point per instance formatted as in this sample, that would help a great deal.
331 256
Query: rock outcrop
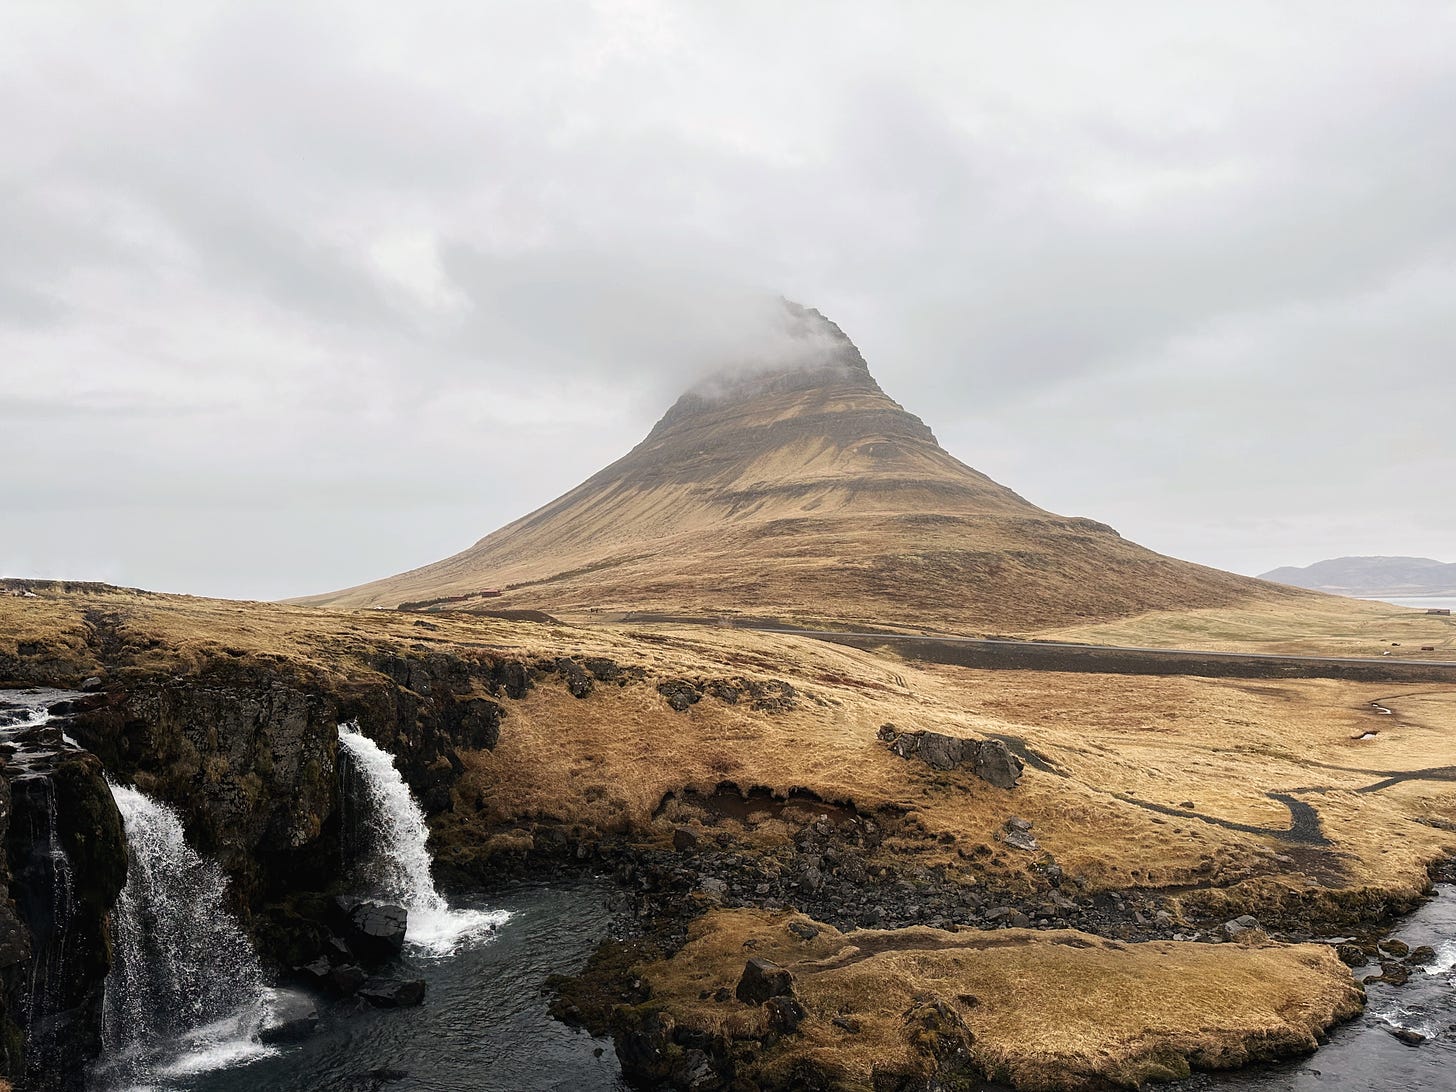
64 865
989 759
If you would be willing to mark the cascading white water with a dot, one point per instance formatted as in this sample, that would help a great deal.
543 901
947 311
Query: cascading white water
186 992
396 863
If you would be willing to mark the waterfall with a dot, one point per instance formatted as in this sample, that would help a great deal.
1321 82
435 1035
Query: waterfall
394 864
186 992
48 884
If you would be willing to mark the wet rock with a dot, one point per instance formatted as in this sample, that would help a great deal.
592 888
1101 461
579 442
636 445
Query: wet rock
763 979
393 993
1351 955
1391 973
1397 948
1420 957
1408 1036
291 1017
346 979
374 931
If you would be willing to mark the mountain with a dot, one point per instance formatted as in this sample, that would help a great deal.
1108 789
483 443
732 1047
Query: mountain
1371 576
798 489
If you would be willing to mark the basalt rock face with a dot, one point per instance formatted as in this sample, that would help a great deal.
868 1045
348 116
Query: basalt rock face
797 489
64 865
249 754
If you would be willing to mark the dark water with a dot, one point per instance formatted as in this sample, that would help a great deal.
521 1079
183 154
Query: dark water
1362 1055
483 1025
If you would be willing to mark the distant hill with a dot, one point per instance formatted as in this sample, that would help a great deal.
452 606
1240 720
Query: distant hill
800 490
1371 576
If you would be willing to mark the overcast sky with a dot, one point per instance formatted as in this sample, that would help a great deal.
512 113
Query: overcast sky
294 296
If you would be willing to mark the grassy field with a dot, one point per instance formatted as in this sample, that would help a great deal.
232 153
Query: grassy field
1039 1010
1180 788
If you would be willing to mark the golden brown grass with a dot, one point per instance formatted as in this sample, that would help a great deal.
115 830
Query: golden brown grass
1320 625
1046 1010
1117 744
1120 749
829 506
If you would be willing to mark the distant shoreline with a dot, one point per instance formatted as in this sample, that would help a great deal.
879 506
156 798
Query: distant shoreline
1438 602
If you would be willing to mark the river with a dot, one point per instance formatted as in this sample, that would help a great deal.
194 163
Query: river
1363 1055
484 1024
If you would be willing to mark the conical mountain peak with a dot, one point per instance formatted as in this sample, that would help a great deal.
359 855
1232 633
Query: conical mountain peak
791 485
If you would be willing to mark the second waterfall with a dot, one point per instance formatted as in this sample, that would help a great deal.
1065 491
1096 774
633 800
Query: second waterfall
386 820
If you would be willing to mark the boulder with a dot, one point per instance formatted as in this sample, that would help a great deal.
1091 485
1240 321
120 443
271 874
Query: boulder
393 993
1408 1036
374 931
942 752
996 765
346 979
785 1014
1239 925
1017 834
763 979
1421 956
291 1017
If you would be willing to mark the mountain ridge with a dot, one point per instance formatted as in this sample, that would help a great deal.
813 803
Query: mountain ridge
1371 575
797 488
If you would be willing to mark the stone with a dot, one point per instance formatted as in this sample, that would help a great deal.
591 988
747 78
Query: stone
684 840
291 1018
905 746
1351 955
1421 956
1397 948
346 979
785 1013
1408 1036
1017 839
803 930
393 993
996 765
680 694
1008 915
1232 930
761 980
374 931
941 752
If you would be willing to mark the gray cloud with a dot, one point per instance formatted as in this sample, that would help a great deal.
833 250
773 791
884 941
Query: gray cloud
292 296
